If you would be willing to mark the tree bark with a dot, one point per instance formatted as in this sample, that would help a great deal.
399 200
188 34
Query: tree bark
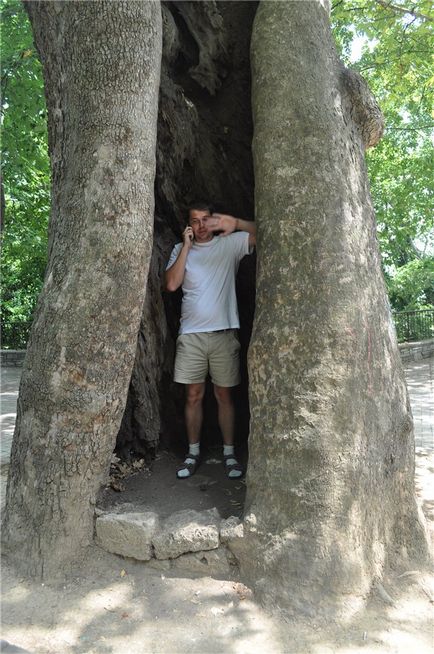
330 484
101 65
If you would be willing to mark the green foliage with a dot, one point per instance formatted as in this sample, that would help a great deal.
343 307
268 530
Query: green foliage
397 46
412 285
25 174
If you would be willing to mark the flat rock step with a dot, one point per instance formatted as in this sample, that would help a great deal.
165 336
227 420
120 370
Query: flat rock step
188 534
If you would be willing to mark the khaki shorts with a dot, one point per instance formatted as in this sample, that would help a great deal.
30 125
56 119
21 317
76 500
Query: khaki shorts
215 352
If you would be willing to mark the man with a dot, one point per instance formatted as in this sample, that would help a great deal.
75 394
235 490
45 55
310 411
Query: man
205 265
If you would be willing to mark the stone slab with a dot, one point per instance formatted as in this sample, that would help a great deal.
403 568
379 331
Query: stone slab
127 534
415 351
187 531
231 528
12 357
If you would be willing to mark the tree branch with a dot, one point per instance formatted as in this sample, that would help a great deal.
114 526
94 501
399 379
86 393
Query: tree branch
390 61
403 10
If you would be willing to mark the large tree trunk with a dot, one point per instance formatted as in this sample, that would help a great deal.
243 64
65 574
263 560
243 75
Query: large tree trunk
330 484
101 65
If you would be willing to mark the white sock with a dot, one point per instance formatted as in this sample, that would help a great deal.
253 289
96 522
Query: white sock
194 450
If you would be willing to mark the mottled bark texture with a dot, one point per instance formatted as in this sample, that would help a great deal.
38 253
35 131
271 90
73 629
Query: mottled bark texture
101 64
203 152
330 483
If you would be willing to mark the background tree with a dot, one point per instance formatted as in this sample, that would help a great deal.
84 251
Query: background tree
25 175
395 43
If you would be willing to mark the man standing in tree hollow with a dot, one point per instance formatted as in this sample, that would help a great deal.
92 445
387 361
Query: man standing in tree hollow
205 265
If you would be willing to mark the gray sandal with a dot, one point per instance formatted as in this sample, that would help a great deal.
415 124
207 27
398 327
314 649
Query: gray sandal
191 463
229 467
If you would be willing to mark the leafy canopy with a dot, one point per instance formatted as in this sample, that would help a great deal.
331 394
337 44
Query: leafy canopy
25 174
395 42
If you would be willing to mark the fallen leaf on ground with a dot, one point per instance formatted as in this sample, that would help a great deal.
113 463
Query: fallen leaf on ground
117 486
242 591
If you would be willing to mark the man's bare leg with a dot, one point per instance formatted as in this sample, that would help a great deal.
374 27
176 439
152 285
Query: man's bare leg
194 411
193 422
226 416
226 413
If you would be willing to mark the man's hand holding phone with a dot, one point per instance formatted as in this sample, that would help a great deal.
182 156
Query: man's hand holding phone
188 236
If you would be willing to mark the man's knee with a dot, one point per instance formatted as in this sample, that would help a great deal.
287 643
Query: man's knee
195 393
223 395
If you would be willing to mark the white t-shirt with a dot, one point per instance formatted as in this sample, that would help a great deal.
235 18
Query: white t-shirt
209 301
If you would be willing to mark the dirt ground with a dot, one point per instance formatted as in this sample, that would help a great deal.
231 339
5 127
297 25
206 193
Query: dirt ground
116 605
157 488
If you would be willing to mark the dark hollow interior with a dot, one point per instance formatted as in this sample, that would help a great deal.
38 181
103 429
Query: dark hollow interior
203 152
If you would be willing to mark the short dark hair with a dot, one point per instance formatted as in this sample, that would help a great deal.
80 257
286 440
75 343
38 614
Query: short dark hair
199 205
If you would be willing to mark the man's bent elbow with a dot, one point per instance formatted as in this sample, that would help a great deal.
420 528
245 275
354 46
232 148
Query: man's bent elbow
170 285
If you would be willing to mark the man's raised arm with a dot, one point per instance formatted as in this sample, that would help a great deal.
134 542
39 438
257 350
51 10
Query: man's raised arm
228 224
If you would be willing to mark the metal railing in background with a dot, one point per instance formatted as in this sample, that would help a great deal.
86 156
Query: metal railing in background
414 325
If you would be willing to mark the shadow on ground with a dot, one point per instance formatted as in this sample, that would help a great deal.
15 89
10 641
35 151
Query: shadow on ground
113 605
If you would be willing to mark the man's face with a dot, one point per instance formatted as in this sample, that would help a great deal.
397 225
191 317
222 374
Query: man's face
198 220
